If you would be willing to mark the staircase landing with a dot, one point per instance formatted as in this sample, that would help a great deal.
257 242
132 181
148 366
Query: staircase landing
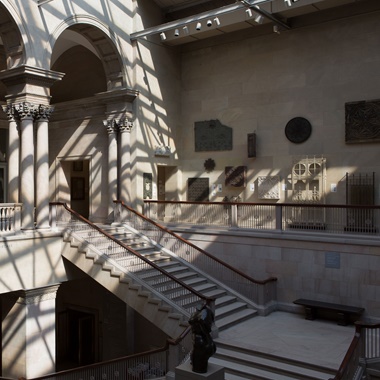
289 336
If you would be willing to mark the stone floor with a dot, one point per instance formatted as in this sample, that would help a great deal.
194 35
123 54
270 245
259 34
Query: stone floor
321 342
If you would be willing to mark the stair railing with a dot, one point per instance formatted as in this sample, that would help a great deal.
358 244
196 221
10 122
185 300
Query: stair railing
130 260
262 293
364 346
148 365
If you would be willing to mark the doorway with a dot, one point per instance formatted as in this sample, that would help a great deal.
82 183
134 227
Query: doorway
77 339
167 183
74 185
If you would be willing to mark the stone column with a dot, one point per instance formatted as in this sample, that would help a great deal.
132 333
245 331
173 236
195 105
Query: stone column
42 167
13 155
125 161
26 112
28 341
111 126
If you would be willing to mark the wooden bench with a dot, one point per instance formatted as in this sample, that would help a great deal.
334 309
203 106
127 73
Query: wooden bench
344 312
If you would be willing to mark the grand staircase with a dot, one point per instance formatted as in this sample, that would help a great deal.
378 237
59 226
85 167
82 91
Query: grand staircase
158 298
164 288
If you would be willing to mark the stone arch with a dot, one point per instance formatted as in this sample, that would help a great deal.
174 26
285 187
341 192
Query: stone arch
13 35
102 41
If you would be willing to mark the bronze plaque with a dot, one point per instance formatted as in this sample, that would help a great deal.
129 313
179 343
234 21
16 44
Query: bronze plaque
362 121
236 176
298 130
212 135
251 145
198 189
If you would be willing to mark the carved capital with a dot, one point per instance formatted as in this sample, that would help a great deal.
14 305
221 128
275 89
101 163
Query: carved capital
110 126
44 112
125 125
26 110
10 111
35 296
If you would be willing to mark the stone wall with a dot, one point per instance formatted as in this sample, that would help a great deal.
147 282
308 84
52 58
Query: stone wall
321 267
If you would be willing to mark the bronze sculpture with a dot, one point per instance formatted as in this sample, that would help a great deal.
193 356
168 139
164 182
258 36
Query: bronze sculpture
203 345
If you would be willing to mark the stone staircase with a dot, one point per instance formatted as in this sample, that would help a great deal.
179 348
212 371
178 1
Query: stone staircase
229 307
242 362
142 290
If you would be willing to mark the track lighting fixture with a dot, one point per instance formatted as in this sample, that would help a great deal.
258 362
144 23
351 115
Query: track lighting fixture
186 29
248 12
176 32
163 36
217 22
259 19
199 26
209 23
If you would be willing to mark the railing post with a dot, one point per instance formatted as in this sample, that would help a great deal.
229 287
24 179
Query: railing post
278 217
234 215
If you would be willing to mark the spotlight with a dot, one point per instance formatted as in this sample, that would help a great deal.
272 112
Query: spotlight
259 19
176 32
186 30
163 36
217 22
248 12
209 23
276 29
199 26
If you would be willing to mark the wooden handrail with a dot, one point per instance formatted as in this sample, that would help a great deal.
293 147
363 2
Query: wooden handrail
259 282
359 326
208 300
169 342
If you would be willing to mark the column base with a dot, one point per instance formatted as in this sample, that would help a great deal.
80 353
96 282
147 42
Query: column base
185 372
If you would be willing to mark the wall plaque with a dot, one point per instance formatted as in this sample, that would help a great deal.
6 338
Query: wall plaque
251 145
332 260
212 135
147 180
236 176
198 189
298 130
269 187
362 121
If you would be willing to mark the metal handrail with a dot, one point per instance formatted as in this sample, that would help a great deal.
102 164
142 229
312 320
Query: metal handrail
163 272
239 280
112 365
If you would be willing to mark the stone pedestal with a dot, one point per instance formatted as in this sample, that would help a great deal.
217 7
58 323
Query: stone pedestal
185 372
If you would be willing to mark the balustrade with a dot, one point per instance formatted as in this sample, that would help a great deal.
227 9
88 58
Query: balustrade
331 219
10 217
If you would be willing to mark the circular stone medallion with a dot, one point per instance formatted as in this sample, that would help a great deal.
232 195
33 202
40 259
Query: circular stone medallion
298 130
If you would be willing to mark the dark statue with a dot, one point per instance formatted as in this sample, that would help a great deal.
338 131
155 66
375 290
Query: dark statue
203 345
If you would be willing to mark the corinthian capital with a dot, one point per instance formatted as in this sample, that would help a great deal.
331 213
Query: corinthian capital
125 125
110 126
9 109
26 110
44 112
